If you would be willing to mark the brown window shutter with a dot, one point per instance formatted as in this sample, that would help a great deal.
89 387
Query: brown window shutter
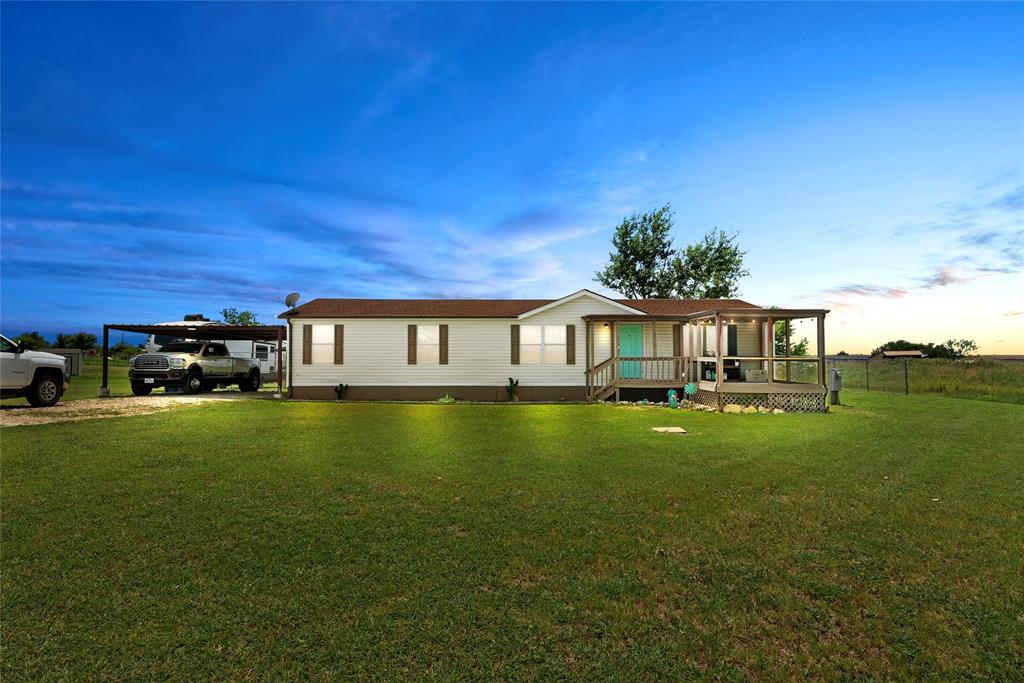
515 345
339 344
412 345
307 344
677 340
442 349
570 345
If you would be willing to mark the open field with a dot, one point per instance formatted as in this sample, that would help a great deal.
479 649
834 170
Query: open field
252 539
985 379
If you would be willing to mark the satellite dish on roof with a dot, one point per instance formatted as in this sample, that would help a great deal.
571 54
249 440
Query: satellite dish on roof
290 300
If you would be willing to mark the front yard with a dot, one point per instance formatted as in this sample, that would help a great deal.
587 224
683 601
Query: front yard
251 539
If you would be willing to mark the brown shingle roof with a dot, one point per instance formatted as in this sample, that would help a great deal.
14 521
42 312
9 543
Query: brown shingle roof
683 306
482 308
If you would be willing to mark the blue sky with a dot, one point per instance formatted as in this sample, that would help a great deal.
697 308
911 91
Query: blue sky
159 159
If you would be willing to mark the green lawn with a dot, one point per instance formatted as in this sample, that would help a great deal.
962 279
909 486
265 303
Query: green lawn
242 540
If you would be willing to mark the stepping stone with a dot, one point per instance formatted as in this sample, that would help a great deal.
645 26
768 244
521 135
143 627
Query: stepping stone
669 430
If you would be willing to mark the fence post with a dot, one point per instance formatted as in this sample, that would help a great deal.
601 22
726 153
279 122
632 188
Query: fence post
906 377
867 375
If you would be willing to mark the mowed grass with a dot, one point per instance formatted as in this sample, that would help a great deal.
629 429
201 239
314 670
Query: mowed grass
255 540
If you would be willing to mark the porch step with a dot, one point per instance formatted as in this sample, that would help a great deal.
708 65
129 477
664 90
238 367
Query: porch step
604 392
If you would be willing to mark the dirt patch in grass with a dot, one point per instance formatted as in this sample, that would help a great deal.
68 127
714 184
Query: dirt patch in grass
91 409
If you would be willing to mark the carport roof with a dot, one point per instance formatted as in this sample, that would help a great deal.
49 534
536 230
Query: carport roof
254 332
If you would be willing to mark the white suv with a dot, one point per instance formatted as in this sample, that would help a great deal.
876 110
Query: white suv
40 377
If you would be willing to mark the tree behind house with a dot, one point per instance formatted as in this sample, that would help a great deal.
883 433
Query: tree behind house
644 264
232 316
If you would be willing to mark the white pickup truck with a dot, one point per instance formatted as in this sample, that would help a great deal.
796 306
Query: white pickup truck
38 376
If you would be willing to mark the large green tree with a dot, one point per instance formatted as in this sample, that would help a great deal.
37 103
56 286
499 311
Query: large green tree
31 341
644 263
710 269
76 340
640 265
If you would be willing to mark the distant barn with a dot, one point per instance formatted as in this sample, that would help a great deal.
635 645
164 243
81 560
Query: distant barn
913 353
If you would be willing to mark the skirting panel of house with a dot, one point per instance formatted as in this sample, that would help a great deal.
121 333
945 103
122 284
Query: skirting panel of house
708 398
790 402
432 393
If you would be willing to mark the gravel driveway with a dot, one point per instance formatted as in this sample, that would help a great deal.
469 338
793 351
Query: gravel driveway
94 408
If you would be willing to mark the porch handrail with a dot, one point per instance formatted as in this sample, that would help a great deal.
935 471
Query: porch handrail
602 376
653 369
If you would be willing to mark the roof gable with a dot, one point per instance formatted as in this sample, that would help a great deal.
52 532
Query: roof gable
583 293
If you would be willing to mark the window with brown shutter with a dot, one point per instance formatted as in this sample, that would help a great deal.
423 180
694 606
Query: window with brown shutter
307 344
442 355
570 345
515 345
339 344
412 345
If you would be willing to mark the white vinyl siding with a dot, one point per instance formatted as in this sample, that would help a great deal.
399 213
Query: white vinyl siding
376 350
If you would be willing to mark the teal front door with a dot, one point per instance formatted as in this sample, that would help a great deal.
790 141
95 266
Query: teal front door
631 345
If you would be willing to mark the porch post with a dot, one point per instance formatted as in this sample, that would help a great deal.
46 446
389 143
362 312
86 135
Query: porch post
821 350
280 370
654 350
104 387
615 355
789 347
586 345
771 349
719 365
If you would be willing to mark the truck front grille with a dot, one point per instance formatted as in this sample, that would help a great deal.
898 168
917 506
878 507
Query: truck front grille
149 362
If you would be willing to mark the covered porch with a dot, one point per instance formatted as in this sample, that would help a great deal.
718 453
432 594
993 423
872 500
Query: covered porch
772 358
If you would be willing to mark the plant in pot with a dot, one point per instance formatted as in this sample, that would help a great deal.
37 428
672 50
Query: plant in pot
340 390
512 388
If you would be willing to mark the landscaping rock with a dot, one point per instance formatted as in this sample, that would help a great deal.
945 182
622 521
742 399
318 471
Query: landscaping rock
732 408
778 411
750 409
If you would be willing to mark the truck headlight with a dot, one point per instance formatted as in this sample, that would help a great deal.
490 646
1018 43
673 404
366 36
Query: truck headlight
177 363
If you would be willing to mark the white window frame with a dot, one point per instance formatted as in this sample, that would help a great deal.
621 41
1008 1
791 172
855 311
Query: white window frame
546 352
428 351
322 344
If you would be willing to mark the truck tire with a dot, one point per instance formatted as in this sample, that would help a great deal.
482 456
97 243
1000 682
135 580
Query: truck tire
250 383
193 383
45 390
142 389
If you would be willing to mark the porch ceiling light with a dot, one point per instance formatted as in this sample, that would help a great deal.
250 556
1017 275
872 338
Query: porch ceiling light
606 325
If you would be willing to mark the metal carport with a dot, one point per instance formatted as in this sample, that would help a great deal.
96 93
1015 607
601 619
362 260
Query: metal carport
267 333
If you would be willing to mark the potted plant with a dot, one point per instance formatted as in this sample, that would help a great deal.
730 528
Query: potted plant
512 388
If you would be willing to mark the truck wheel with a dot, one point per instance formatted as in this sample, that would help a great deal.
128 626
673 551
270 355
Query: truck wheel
142 389
193 383
45 390
250 383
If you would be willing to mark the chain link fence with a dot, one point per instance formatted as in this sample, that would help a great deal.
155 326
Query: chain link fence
978 378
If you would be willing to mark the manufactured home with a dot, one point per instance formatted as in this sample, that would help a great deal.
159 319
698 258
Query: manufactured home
584 346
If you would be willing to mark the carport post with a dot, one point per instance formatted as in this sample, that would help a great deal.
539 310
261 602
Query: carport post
280 375
104 389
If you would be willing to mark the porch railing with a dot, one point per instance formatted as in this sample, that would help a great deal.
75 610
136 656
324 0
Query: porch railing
601 378
651 369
